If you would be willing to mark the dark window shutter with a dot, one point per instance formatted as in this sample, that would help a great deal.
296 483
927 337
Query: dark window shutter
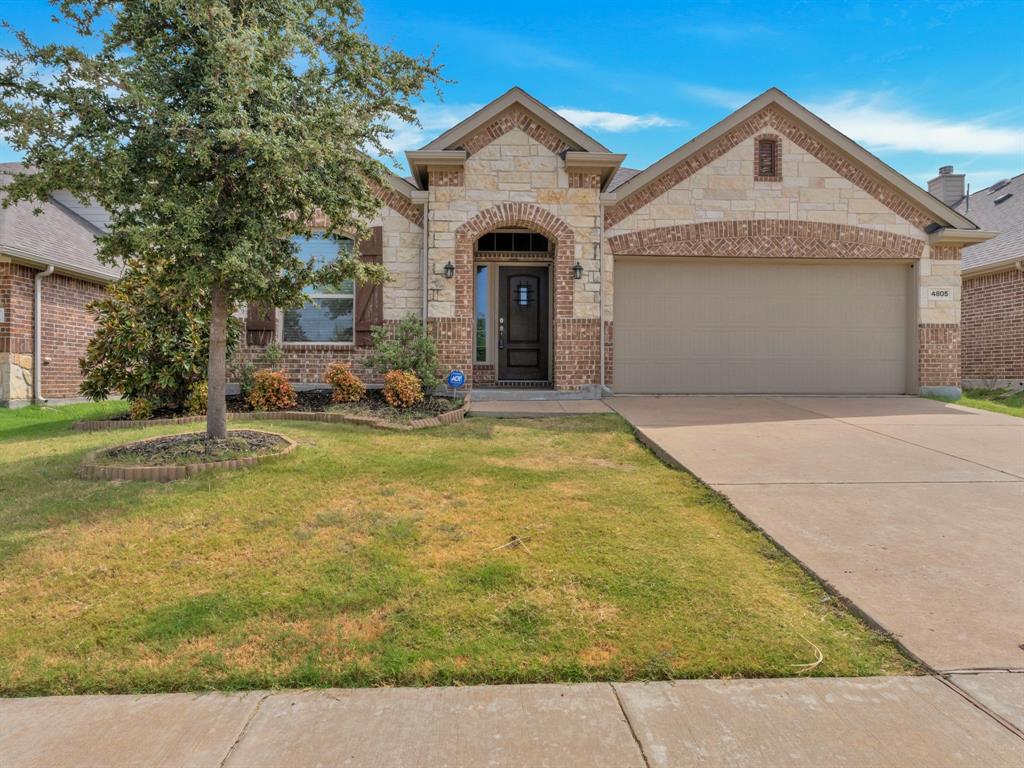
260 318
767 155
260 325
370 298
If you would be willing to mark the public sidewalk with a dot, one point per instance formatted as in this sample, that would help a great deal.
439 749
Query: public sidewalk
796 723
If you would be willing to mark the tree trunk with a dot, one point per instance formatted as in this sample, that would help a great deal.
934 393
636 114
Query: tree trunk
216 406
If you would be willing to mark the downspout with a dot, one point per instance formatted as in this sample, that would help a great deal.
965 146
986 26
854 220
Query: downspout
426 257
37 335
1019 265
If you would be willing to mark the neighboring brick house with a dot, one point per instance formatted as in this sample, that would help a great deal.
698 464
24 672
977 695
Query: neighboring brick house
993 280
768 254
61 237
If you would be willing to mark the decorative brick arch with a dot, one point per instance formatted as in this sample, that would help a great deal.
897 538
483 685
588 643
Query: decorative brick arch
771 238
566 368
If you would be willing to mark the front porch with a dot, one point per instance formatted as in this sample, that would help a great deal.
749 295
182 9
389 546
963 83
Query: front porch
513 326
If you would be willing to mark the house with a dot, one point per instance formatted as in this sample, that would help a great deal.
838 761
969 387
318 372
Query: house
48 274
769 254
992 322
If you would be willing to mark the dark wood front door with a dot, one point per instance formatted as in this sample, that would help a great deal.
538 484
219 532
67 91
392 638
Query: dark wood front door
523 323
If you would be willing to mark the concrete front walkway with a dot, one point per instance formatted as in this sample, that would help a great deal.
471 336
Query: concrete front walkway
518 409
907 722
911 508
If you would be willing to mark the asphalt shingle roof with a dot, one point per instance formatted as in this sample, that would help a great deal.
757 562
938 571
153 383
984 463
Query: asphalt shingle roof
1006 217
622 175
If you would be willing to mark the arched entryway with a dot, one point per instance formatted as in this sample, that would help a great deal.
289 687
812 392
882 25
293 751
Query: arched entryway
512 301
574 342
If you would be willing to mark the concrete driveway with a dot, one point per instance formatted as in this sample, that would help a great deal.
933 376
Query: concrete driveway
911 508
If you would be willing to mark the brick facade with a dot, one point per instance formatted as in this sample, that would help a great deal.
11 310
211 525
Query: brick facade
67 327
767 238
993 327
516 118
938 355
307 363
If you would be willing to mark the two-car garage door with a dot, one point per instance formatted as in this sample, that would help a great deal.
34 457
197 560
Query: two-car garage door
752 326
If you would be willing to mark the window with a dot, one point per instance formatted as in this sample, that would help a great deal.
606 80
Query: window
328 314
483 304
766 159
514 242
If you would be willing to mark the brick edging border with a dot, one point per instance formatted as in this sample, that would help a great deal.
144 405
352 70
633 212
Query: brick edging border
89 469
449 417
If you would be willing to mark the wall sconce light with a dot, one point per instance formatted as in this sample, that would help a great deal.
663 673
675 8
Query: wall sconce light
577 271
449 270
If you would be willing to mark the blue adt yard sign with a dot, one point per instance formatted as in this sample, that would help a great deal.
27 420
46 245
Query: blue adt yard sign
456 379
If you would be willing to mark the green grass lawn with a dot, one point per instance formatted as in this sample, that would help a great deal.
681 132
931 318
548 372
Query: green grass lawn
994 400
375 558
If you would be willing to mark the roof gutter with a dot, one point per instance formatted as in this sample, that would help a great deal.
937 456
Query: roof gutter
994 268
961 237
37 335
26 257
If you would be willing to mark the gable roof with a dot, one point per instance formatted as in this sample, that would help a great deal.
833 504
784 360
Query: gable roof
62 235
512 97
774 97
1005 217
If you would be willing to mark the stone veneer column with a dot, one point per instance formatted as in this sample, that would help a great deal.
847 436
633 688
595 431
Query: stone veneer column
938 337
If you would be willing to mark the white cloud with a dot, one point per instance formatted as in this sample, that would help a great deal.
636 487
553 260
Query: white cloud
720 97
615 122
435 119
875 121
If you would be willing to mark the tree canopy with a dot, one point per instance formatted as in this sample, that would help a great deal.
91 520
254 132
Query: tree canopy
212 131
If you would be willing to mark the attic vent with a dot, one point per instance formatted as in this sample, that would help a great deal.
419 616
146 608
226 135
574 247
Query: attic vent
767 166
998 185
1003 198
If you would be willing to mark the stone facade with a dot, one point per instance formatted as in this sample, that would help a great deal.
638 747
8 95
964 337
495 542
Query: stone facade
993 328
509 170
515 179
67 326
822 206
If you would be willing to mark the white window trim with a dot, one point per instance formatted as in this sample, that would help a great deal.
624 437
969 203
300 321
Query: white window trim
280 314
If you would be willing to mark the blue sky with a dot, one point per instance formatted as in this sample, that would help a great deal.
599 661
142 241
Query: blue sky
921 84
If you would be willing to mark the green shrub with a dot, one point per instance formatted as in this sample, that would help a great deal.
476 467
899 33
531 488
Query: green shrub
140 409
347 387
405 347
195 404
272 354
402 389
243 373
271 391
151 342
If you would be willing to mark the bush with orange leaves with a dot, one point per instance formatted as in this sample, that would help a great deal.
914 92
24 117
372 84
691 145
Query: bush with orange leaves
402 389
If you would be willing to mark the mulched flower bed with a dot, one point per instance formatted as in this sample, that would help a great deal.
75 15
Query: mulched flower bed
374 404
194 448
316 405
312 400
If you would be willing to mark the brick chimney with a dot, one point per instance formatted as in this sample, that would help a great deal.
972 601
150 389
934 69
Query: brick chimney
947 186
